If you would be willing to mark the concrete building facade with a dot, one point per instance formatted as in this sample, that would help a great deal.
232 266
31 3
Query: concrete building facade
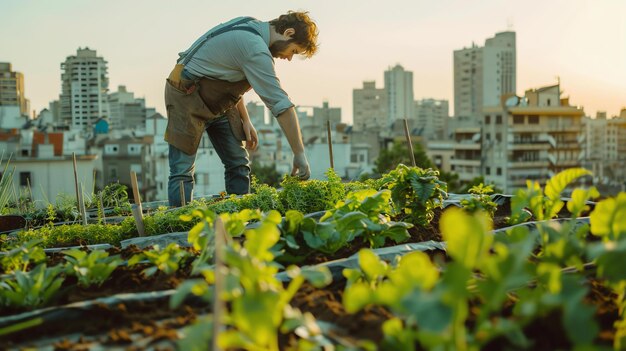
483 74
431 117
369 107
84 87
126 111
12 91
399 89
531 138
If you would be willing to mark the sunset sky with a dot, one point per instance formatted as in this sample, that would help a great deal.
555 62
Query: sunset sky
582 42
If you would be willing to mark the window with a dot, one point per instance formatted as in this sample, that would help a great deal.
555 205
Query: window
487 119
488 170
26 179
499 171
499 119
518 119
533 119
498 137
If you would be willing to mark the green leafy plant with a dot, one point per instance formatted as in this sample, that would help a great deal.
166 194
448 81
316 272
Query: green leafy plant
92 268
31 289
415 192
258 301
167 260
22 256
311 195
480 200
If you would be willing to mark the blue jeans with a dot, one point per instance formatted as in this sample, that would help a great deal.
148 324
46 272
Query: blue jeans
230 150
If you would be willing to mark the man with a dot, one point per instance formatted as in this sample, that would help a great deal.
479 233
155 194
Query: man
204 91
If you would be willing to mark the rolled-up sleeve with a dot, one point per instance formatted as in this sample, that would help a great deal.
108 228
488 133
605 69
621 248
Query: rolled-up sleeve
261 74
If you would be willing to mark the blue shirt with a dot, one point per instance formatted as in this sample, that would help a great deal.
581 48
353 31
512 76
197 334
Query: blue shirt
237 55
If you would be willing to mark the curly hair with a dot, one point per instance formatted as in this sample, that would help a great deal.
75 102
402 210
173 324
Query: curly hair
305 30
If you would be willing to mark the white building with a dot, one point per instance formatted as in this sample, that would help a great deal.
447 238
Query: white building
85 85
126 111
483 74
431 118
399 88
369 107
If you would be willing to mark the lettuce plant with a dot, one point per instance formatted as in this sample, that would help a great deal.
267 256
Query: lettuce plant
92 268
31 289
166 260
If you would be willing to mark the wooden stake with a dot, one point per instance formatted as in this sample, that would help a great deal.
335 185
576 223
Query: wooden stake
181 187
330 146
408 140
81 204
220 275
136 208
104 217
75 179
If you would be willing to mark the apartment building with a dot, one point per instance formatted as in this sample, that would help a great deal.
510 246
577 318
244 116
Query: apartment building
399 89
431 117
12 89
369 107
126 111
530 138
483 74
84 87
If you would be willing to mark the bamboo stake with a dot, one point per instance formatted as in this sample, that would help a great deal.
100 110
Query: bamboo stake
330 146
137 210
81 204
181 187
408 140
75 179
30 190
104 217
221 238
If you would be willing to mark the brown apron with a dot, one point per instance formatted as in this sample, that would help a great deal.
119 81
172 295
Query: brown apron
189 105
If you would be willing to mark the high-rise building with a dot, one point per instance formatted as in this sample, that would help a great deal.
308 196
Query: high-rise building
84 87
399 88
126 111
431 117
483 74
12 89
369 107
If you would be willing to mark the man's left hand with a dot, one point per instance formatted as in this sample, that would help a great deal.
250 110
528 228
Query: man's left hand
252 140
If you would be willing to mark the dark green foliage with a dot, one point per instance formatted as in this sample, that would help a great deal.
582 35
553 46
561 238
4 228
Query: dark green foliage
415 192
388 159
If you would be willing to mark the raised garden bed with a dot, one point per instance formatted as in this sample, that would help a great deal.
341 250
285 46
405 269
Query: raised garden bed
471 278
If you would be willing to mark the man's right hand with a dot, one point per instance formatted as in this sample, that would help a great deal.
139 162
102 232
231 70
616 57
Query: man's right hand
301 166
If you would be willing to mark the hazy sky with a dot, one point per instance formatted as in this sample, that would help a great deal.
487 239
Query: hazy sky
583 42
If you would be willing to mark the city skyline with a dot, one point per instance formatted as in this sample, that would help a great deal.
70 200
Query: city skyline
582 42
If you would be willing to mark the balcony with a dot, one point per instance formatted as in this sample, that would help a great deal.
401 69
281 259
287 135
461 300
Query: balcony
465 162
467 145
532 145
528 164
